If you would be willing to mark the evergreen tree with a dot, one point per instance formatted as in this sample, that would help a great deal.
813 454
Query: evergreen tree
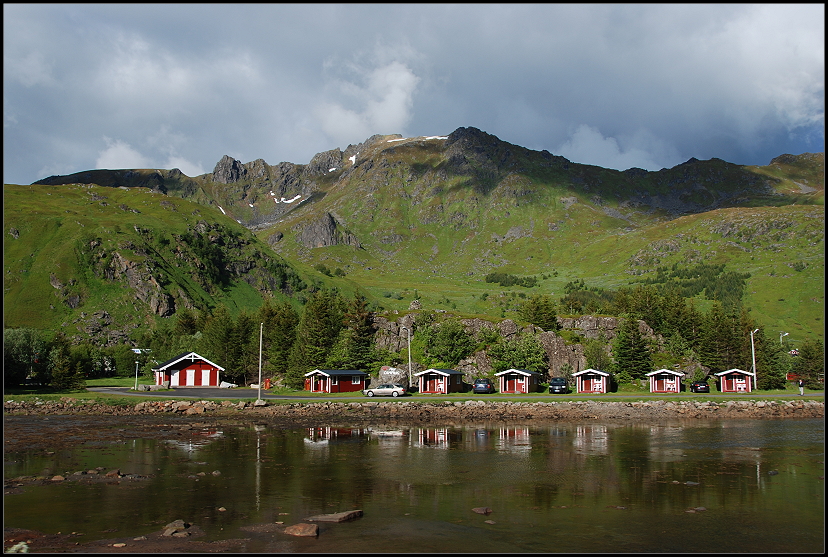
217 343
280 322
539 310
720 347
596 354
810 364
631 353
65 377
316 334
354 347
448 342
524 352
244 347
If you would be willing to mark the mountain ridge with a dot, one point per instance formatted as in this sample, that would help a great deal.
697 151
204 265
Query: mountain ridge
428 217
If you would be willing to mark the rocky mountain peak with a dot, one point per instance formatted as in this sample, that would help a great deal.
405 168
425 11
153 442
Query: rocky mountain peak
228 170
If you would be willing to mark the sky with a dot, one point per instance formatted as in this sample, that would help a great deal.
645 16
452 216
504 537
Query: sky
90 86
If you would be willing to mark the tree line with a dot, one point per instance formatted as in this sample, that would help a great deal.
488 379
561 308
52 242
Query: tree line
334 332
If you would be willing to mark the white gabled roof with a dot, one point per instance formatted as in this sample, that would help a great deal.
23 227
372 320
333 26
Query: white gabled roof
664 370
445 372
736 370
192 356
526 372
590 370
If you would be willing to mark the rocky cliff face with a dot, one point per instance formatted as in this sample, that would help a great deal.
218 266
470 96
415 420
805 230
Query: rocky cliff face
391 335
325 231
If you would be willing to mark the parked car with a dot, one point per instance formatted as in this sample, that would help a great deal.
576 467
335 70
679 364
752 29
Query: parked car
483 385
558 385
699 387
386 389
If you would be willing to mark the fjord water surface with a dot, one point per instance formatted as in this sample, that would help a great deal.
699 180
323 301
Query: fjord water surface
693 486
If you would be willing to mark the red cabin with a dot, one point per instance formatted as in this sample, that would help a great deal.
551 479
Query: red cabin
591 381
665 381
188 370
736 381
518 381
440 381
335 380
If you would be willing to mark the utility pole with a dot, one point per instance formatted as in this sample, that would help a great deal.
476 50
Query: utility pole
261 328
753 355
409 357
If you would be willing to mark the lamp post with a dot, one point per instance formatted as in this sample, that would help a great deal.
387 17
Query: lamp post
136 375
780 337
753 355
409 357
261 328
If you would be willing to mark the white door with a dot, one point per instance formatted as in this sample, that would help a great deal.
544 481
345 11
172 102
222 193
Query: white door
205 377
190 378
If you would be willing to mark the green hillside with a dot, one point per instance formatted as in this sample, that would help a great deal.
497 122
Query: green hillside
400 219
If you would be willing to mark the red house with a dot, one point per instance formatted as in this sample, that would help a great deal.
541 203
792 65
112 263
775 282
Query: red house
665 381
591 381
736 381
440 381
188 370
335 380
518 381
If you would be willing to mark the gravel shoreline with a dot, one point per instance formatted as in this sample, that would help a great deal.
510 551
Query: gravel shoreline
419 412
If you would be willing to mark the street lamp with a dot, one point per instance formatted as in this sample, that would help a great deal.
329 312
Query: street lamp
753 355
409 356
261 328
780 337
136 375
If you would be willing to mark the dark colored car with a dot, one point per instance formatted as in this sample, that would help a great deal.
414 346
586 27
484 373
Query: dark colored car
558 385
699 387
483 386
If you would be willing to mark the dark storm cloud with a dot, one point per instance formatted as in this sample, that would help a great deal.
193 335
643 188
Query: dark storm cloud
89 86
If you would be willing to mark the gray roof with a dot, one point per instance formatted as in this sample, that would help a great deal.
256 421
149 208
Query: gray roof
331 372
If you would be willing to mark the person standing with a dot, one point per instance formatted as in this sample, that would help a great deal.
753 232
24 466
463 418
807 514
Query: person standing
801 387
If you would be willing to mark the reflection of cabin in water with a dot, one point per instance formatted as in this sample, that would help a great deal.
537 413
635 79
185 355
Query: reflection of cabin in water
326 434
514 439
440 381
516 381
436 437
591 381
665 381
335 380
735 381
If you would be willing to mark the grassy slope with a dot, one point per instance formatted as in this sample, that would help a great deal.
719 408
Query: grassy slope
438 244
52 220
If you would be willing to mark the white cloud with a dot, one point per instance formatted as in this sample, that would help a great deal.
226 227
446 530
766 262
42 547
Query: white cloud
185 166
587 145
119 155
383 99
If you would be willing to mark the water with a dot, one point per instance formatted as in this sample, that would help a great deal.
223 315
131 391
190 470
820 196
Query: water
552 488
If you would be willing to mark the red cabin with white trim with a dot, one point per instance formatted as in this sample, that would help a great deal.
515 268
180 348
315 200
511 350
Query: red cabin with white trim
591 381
518 381
665 381
440 381
736 381
188 370
335 381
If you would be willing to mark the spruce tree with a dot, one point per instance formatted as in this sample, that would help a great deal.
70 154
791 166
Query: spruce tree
631 353
280 322
539 310
316 334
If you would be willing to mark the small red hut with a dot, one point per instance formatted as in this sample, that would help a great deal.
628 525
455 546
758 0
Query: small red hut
591 381
188 370
440 381
335 380
518 381
665 381
736 381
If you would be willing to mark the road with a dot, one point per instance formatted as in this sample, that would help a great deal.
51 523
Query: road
215 393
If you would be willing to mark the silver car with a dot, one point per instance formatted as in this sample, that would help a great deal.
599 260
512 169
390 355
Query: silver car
386 389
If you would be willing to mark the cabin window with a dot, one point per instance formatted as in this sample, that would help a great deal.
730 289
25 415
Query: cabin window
355 379
335 380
